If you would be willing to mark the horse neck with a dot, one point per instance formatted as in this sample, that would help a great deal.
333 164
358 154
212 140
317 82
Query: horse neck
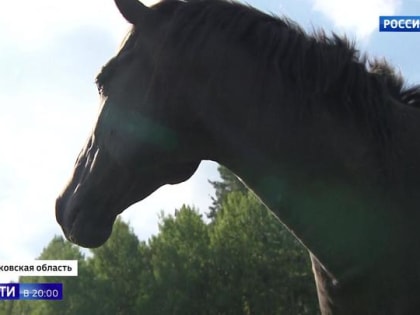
321 178
378 291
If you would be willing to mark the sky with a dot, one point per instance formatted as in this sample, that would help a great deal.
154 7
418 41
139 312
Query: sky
50 53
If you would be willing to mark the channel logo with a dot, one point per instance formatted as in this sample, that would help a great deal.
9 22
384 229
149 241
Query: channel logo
399 23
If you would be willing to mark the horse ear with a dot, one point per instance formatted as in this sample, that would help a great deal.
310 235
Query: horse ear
132 10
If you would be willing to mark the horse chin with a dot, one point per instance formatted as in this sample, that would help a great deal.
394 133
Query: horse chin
89 233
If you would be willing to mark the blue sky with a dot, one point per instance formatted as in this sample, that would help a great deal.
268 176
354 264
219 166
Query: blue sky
49 56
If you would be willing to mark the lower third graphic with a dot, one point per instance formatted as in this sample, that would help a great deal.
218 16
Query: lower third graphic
31 291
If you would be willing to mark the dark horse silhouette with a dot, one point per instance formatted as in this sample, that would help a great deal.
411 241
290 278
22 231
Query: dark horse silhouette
327 140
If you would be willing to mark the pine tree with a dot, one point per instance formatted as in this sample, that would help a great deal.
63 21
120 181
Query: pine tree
229 183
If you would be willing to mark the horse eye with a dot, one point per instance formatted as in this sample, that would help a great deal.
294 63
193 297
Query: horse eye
100 89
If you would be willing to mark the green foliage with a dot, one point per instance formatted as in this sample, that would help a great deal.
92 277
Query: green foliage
266 269
9 307
74 303
117 266
230 183
179 261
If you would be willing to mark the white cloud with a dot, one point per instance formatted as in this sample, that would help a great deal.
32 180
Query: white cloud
33 23
360 17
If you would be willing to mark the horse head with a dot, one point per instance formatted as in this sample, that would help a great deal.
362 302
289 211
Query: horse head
136 145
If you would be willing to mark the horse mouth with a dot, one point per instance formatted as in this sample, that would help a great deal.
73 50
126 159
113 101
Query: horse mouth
83 228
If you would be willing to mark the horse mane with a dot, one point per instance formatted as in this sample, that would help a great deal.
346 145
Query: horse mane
315 66
395 83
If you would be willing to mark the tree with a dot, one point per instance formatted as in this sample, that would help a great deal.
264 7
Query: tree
228 184
9 307
108 283
262 269
75 289
118 266
180 264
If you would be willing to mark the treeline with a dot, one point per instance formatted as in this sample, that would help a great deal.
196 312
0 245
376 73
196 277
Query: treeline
241 262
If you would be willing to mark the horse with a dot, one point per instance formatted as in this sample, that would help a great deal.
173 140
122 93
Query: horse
327 138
